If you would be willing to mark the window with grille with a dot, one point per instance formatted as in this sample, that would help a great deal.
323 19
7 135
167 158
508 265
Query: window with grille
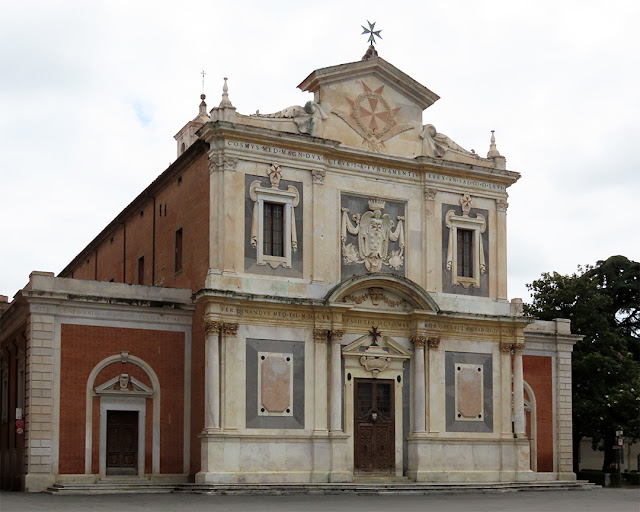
273 229
465 252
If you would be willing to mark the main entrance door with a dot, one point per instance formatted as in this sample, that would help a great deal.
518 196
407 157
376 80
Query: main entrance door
122 442
374 426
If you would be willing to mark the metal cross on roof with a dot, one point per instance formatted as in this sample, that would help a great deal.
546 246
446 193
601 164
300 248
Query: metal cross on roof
372 33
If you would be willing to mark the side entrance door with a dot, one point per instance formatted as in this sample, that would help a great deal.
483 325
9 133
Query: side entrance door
122 442
374 426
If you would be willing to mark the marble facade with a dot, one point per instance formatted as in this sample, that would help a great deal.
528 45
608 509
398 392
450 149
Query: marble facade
367 290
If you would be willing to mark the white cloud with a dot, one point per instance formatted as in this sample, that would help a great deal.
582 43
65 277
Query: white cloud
92 93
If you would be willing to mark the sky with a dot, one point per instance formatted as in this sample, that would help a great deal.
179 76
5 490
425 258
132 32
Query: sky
92 93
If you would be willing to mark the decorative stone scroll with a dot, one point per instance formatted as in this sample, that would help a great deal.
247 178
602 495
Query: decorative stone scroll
502 205
374 231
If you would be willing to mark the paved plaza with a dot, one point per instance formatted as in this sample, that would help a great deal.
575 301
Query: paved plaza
613 500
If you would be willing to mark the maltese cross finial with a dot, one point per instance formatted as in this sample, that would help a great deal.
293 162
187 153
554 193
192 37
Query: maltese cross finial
372 33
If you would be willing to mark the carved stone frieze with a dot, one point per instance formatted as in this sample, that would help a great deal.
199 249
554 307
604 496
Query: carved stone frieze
376 295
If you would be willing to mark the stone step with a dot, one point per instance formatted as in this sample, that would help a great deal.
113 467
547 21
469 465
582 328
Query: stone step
361 488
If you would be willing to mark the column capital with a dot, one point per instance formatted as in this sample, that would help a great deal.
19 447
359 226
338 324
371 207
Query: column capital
320 335
434 342
211 327
336 335
230 329
518 347
506 348
419 341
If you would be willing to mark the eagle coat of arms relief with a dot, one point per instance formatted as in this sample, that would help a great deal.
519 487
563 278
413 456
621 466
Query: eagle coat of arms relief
374 231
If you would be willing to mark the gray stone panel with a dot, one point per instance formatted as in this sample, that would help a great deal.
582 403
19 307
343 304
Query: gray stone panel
250 253
450 361
360 205
447 287
280 347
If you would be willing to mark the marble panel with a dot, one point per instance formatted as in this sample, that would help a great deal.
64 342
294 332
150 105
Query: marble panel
292 349
276 382
453 361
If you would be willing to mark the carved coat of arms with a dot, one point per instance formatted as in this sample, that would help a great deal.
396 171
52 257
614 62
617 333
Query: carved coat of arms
373 118
374 231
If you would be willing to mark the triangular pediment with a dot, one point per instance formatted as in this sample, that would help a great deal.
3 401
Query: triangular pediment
376 68
124 384
370 105
386 347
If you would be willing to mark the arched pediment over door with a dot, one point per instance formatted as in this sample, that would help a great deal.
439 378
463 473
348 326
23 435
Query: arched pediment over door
382 291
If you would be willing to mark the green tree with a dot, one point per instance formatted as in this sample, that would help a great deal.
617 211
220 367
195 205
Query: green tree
603 304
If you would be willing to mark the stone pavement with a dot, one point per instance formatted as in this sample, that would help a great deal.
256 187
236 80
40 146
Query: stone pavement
598 499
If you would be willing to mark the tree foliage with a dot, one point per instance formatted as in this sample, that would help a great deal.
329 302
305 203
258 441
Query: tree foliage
603 303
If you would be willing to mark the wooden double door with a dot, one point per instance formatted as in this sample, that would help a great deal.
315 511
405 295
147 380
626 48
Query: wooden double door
122 442
374 441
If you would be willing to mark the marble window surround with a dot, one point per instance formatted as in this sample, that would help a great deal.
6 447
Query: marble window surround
294 421
486 362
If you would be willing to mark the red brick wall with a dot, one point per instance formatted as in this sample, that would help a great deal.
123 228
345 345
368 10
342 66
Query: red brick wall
537 373
187 207
82 348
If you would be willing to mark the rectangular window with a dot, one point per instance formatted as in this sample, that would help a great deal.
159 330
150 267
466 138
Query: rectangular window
178 251
273 229
141 270
465 253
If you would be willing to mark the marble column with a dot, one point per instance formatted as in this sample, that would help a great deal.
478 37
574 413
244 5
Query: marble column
505 386
212 376
431 405
518 391
229 403
320 343
418 385
335 423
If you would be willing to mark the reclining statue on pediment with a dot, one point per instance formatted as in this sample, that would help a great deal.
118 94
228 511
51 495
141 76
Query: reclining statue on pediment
436 144
303 117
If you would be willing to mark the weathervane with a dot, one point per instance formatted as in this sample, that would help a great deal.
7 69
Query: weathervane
372 33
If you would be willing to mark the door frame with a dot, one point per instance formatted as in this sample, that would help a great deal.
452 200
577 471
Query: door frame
391 373
138 404
393 411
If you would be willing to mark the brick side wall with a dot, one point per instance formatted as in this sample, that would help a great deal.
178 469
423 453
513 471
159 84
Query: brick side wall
537 373
182 203
82 348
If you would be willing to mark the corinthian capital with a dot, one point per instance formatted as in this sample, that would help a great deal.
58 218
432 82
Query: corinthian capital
212 327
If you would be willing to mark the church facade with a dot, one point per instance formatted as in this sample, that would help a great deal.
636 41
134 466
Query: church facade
313 295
